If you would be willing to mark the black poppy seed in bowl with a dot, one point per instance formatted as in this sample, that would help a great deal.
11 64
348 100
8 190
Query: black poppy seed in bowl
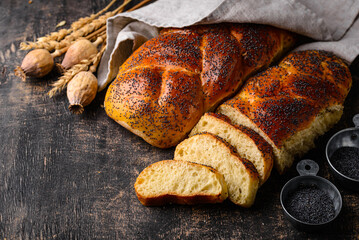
310 204
346 161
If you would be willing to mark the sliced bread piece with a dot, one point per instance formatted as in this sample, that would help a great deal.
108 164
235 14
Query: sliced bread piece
296 145
180 182
249 144
240 175
292 104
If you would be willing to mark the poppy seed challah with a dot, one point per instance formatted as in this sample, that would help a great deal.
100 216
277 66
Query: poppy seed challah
240 175
293 103
167 84
180 182
248 144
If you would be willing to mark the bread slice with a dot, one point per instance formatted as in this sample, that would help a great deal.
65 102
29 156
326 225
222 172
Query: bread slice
240 175
249 144
299 143
180 182
292 104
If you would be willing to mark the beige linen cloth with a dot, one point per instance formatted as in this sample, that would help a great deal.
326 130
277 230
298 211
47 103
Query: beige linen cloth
334 24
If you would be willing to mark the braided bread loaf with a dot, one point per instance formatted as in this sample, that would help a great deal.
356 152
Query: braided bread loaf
167 84
293 103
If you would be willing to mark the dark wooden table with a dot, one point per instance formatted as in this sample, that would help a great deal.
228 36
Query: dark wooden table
64 176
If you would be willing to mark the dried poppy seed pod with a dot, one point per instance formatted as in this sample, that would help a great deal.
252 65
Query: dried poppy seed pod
37 63
81 90
80 50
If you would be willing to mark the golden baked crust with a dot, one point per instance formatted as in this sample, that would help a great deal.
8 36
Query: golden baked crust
247 143
165 86
240 175
292 103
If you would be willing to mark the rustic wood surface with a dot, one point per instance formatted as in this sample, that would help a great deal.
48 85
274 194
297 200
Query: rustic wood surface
64 176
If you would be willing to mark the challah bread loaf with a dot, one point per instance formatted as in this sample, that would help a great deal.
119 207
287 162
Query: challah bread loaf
240 175
180 182
248 144
167 84
293 103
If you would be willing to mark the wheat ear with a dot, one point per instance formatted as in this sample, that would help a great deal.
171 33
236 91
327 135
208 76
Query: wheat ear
84 65
81 32
61 34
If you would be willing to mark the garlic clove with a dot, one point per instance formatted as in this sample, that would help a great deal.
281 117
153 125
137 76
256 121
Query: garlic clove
80 50
37 63
81 90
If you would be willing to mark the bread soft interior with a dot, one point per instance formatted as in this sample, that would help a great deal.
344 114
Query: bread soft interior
180 178
243 144
300 142
207 150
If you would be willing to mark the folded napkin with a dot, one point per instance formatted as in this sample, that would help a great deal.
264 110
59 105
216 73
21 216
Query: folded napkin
333 24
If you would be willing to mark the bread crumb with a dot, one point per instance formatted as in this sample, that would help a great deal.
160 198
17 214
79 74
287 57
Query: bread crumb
60 24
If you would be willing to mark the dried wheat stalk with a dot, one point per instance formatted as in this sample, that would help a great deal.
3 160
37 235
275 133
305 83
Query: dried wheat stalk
86 64
85 30
61 34
61 84
81 22
90 28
